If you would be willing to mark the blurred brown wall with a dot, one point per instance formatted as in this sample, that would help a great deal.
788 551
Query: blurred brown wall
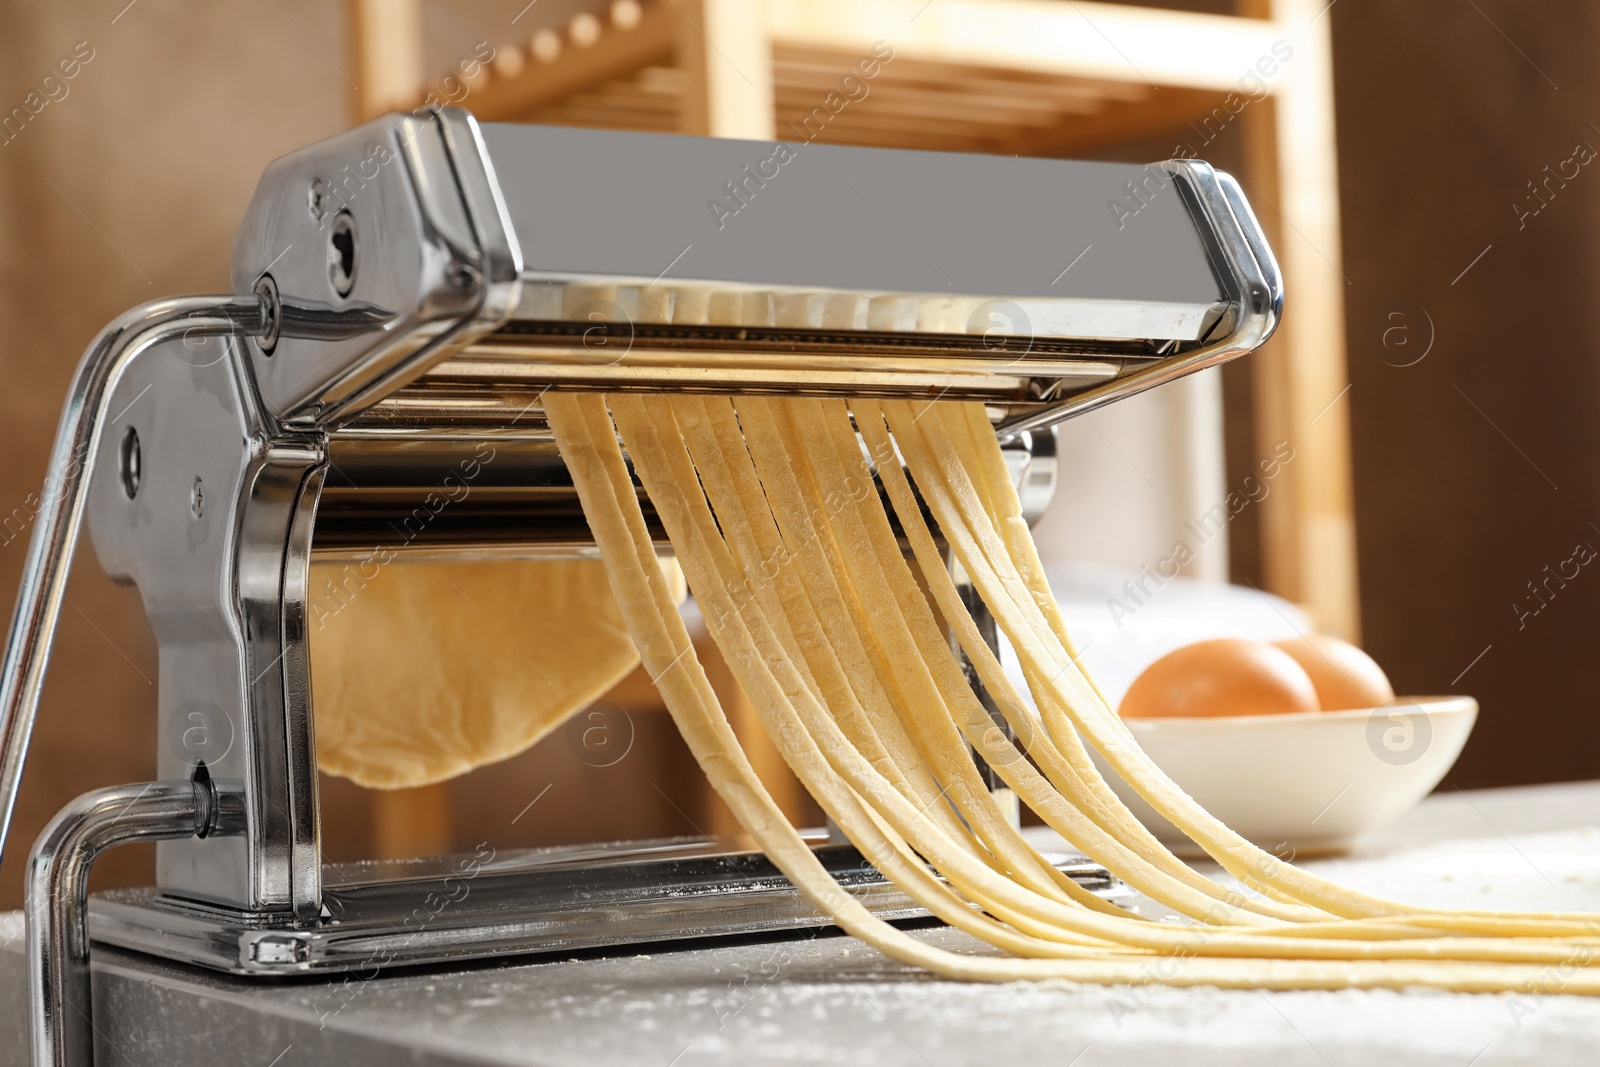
1480 465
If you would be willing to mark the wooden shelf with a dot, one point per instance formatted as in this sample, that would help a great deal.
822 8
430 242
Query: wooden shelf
909 105
953 85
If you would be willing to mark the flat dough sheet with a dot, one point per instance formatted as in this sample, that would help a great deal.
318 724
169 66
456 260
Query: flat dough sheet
431 669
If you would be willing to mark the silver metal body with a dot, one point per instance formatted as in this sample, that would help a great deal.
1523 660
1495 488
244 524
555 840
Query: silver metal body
406 914
409 290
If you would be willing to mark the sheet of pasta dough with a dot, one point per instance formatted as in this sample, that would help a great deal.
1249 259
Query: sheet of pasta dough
428 670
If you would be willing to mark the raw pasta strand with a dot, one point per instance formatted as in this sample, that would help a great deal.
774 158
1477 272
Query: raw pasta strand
903 661
936 651
768 670
951 496
588 443
828 425
712 433
1079 789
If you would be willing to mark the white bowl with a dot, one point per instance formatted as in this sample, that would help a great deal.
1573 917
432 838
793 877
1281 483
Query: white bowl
1307 782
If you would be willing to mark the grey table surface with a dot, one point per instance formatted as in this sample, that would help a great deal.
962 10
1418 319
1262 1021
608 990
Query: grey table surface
833 1000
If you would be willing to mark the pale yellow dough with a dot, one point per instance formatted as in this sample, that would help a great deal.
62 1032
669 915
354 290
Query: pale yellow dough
427 670
780 591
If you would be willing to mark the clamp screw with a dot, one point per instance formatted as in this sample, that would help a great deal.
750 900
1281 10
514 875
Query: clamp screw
272 314
342 253
317 199
132 463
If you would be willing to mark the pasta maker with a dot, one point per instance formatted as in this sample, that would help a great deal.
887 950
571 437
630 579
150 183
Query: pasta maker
403 295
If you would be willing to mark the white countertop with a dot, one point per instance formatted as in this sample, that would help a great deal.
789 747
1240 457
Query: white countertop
833 1000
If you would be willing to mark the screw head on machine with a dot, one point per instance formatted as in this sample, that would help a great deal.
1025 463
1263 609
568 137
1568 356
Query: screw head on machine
342 253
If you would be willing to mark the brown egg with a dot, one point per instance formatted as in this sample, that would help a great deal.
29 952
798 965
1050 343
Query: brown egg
1345 676
1226 676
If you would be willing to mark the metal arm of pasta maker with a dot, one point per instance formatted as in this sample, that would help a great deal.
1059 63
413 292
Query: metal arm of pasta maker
60 517
388 324
61 1009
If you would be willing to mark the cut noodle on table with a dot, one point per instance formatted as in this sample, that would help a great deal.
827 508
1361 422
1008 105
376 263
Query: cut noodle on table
774 510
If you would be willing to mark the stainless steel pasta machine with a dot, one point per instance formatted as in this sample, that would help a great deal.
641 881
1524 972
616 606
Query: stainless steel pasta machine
404 294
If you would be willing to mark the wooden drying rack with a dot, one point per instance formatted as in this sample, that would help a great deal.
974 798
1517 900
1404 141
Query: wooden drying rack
1033 77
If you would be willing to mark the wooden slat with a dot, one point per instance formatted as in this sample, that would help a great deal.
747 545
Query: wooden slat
1308 533
1160 110
1077 39
913 100
600 117
914 108
1271 373
627 96
821 79
386 53
726 52
892 133
920 141
956 77
813 90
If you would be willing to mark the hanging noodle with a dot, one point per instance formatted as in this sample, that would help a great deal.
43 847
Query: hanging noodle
774 511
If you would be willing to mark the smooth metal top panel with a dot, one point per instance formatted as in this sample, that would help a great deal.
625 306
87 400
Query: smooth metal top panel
589 257
603 203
